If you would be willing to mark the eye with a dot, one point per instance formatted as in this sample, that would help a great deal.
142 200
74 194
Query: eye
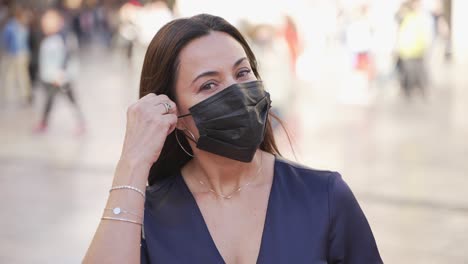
207 86
244 73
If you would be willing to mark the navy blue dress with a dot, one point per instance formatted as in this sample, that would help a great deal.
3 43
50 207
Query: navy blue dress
312 217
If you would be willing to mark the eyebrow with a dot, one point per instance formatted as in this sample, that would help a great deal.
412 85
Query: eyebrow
213 73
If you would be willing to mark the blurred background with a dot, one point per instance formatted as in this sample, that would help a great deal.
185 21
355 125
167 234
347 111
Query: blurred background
375 89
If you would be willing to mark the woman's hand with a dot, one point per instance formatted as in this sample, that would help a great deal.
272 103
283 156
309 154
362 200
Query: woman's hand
148 124
149 121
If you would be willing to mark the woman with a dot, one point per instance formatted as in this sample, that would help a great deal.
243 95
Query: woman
218 190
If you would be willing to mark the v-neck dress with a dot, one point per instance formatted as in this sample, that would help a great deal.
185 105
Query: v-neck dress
312 217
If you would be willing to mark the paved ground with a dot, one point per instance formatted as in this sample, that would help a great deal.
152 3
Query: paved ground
406 163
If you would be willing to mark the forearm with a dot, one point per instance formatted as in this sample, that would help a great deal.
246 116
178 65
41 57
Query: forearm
118 241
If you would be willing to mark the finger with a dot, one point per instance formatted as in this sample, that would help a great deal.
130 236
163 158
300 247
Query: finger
171 121
163 97
172 106
154 98
147 97
165 108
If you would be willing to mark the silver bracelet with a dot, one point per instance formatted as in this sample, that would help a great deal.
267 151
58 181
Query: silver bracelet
121 219
120 187
118 210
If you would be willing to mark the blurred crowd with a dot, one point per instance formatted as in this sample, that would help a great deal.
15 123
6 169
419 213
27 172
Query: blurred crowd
40 42
372 88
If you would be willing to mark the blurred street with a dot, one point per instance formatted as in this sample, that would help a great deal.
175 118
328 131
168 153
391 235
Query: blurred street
405 162
336 74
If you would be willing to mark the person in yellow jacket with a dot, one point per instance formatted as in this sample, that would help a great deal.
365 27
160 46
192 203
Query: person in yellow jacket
414 36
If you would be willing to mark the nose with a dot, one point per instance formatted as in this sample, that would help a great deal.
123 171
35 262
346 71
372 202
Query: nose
232 80
229 82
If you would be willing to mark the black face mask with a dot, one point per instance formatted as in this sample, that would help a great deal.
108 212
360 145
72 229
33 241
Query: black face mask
232 122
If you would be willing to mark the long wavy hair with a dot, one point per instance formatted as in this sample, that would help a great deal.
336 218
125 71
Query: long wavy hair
160 70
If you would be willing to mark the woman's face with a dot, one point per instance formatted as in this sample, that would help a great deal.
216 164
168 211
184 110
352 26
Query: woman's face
207 66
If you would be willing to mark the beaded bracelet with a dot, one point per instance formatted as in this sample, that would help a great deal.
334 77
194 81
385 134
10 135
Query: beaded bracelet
120 187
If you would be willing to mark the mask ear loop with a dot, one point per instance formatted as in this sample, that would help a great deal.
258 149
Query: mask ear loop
180 145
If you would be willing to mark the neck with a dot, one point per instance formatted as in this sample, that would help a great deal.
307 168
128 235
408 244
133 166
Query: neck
223 175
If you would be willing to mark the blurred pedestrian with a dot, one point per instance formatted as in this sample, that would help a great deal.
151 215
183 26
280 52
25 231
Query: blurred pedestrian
3 18
440 43
3 13
15 59
359 34
128 26
414 35
54 67
87 24
291 36
34 40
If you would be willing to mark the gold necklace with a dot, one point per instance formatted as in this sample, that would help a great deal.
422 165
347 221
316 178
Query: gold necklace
229 196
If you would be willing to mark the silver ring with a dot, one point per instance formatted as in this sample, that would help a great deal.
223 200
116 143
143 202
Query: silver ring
167 107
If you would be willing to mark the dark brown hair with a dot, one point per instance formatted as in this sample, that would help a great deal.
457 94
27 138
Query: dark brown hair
159 73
